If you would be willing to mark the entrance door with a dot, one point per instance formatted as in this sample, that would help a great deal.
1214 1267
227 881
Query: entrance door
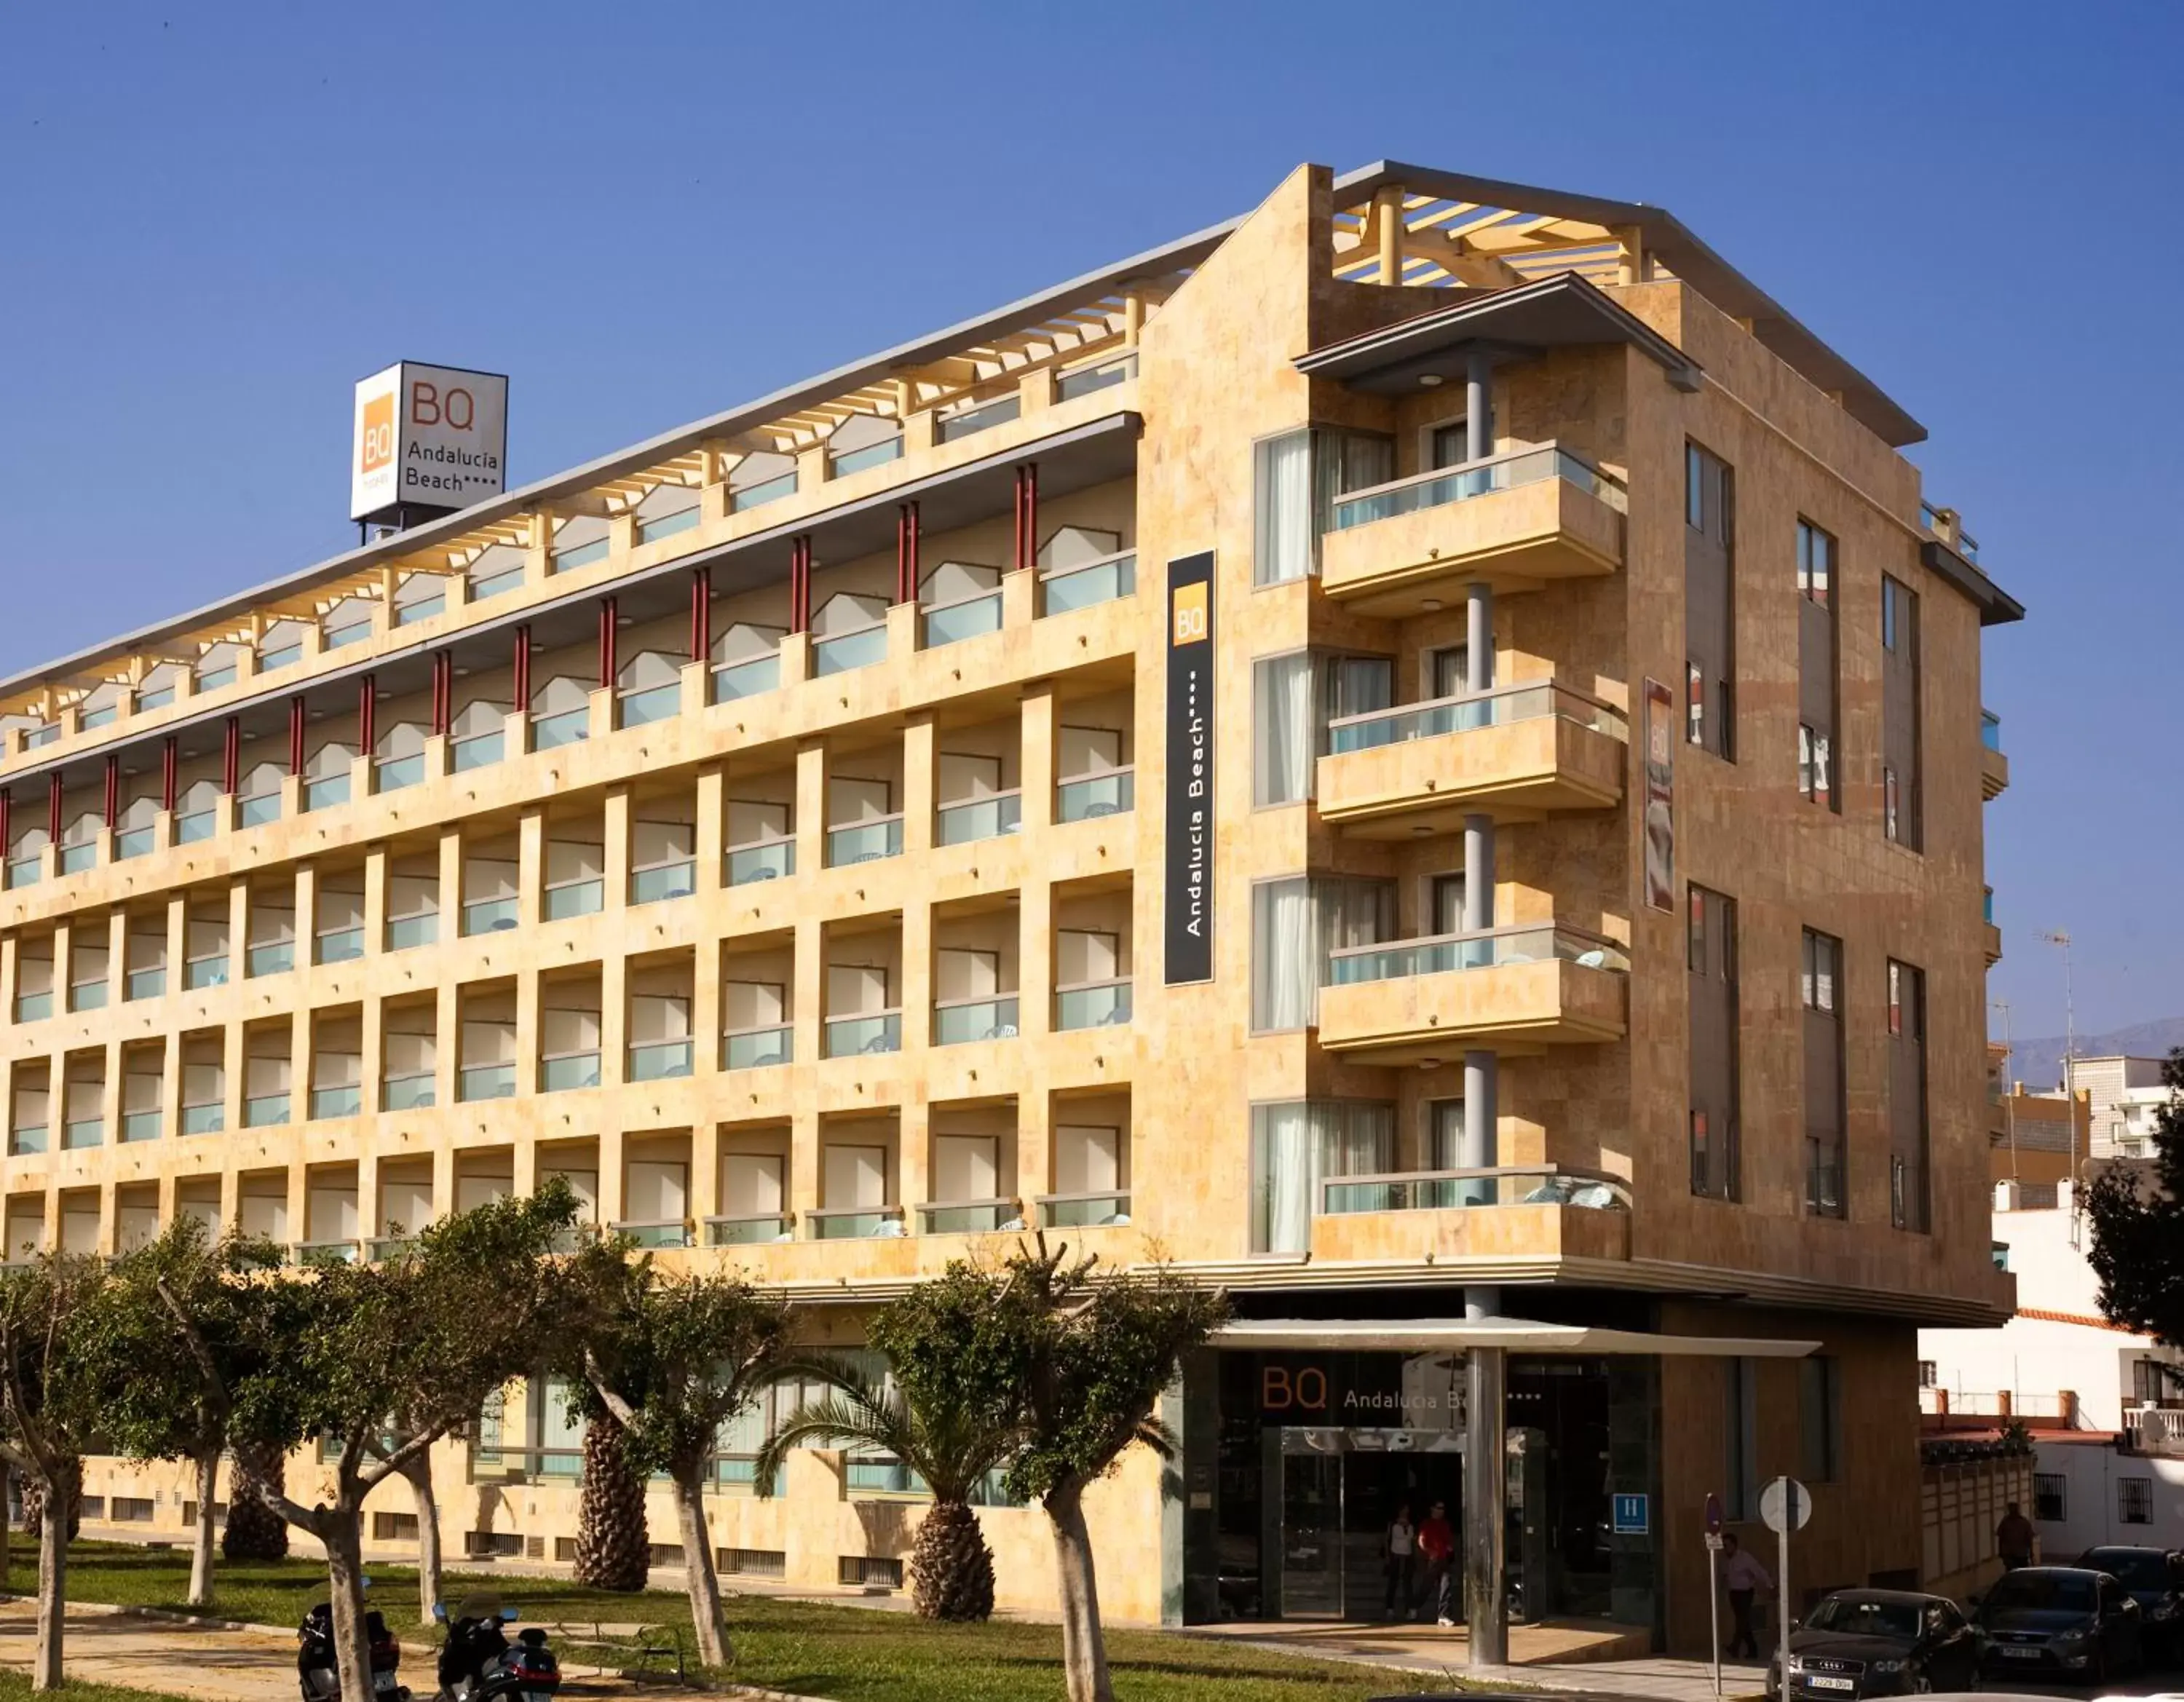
1376 1484
1311 1536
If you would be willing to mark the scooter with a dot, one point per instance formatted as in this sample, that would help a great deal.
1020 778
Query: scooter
318 1671
479 1664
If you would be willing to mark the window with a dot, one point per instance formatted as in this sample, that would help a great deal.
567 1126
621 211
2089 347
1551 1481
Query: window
1293 698
2050 1503
2151 1383
1908 1134
1816 561
1891 606
1709 602
1821 990
1295 923
1902 818
1813 779
1296 480
2134 1500
1816 665
1821 954
1710 954
1295 1146
1930 1374
1740 1433
1819 1407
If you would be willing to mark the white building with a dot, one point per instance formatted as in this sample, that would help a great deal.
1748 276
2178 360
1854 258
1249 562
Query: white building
2126 1094
2107 1425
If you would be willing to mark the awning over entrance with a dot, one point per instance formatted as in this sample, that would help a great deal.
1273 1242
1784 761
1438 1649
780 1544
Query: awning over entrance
1442 1335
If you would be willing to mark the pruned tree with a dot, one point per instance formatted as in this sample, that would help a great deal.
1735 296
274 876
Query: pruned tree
255 1529
2138 1220
172 1334
672 1360
468 1307
51 1413
614 1538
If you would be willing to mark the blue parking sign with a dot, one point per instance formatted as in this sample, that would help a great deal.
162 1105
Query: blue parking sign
1629 1515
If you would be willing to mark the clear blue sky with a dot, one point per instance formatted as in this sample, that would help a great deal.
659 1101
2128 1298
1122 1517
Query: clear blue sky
217 217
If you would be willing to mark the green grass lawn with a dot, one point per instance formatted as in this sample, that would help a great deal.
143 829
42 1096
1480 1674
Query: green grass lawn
856 1654
15 1686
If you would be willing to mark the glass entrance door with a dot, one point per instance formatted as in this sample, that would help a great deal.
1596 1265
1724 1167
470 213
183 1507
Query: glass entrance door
1311 1530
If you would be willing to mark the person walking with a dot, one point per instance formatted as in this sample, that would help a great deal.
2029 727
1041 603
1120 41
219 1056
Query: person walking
1399 1549
2013 1539
1437 1543
1743 1577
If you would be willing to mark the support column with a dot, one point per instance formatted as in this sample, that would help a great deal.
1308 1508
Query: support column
1478 405
1478 637
1485 1504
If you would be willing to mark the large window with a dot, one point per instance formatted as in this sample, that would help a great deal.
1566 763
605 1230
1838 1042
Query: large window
1821 989
1816 666
1741 1435
1901 759
1295 1146
1907 1097
1295 924
1293 699
2050 1497
2134 1500
1295 479
1709 602
1710 953
1819 1411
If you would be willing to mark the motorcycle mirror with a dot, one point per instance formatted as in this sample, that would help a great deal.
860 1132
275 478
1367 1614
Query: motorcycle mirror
509 1616
440 1611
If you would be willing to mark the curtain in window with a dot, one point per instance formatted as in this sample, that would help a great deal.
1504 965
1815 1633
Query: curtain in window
1283 736
1346 461
1297 1145
1282 495
1352 685
1284 976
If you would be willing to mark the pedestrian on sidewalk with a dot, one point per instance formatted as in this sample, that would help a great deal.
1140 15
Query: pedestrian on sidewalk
1437 1543
1399 1551
1743 1577
2013 1539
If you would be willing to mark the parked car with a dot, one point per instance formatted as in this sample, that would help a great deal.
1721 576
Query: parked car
1879 1643
2059 1619
2155 1579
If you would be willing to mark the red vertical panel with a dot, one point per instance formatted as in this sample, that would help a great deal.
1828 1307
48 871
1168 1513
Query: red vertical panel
1030 515
606 643
1017 514
231 756
295 735
53 807
112 788
367 714
7 809
523 669
701 613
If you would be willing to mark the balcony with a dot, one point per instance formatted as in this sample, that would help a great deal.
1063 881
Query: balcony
1531 746
757 1049
1062 589
667 1231
969 1216
2153 1430
1527 985
1515 521
955 1022
1994 766
879 1031
1084 796
734 680
865 842
762 859
983 818
1092 1005
416 1092
659 1060
1083 1210
854 1223
750 1231
967 617
1537 1209
1990 931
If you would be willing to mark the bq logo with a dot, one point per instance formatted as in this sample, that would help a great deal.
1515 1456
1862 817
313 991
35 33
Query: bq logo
1281 1390
376 449
1190 625
457 409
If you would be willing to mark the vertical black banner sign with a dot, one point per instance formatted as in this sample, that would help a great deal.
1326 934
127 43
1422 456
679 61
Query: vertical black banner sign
1190 861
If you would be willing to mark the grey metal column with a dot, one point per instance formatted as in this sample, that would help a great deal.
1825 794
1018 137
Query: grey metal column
1478 405
1478 636
1485 1504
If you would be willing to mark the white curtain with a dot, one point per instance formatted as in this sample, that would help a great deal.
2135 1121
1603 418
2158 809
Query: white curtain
1282 729
1282 501
1297 1145
1284 967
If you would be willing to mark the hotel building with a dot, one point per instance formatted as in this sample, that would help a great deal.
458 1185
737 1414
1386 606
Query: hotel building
1417 754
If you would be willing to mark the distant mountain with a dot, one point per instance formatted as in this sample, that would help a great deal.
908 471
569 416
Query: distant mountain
2039 1064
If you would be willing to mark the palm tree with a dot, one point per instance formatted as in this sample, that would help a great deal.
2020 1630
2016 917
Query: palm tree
952 1446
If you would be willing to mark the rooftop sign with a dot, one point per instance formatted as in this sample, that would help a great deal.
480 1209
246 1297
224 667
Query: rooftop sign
429 440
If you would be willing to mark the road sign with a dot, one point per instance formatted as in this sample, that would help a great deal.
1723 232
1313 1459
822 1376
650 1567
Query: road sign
1784 1505
1631 1516
1713 1514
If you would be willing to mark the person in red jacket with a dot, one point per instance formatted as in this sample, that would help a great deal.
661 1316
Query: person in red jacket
1437 1545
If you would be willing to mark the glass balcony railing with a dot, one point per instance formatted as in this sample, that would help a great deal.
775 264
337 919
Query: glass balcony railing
134 841
662 881
1083 1210
324 1252
1092 1005
734 680
103 716
326 793
199 823
575 898
749 1231
479 750
25 871
659 1060
494 584
1111 793
871 455
74 860
337 1101
1987 905
762 859
957 1021
404 932
1521 943
945 623
578 555
1478 478
159 698
423 608
145 983
1063 589
492 915
39 736
1991 730
849 650
393 773
765 490
1496 1186
286 657
140 1125
27 1138
981 818
666 526
968 1216
758 1048
854 1223
1087 379
84 1132
277 957
551 732
87 995
485 1082
413 1092
341 945
666 1232
654 703
865 842
879 1031
266 1111
1499 706
256 812
953 427
204 1120
383 1248
204 971
212 679
33 1007
340 637
571 1070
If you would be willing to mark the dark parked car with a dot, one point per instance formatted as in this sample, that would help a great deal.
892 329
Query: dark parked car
2059 1619
2155 1579
1880 1642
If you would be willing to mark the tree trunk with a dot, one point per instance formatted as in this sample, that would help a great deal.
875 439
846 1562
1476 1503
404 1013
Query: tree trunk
256 1530
951 1569
419 1471
707 1615
52 1582
1083 1649
614 1546
201 1549
7 1536
340 1529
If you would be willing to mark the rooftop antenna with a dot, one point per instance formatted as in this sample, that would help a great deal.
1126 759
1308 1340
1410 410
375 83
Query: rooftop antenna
2061 937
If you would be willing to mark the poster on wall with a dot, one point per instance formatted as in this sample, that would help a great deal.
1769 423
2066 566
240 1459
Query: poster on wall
1660 797
1189 956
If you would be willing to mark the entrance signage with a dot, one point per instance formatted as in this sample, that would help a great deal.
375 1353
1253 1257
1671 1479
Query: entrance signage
1188 863
1630 1514
428 439
1422 1391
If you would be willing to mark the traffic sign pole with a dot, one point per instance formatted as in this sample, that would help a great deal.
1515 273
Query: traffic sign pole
1782 1583
1713 1582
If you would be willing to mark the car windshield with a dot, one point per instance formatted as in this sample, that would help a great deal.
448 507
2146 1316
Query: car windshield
2053 1591
1847 1614
2139 1569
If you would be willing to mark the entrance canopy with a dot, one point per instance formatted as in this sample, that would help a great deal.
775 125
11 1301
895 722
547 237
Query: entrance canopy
1443 1335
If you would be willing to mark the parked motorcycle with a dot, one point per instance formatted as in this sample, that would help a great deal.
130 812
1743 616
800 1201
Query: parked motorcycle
479 1664
318 1671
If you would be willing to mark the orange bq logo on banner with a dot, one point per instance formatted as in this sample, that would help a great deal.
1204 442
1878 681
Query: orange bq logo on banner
1191 623
376 447
1279 1391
